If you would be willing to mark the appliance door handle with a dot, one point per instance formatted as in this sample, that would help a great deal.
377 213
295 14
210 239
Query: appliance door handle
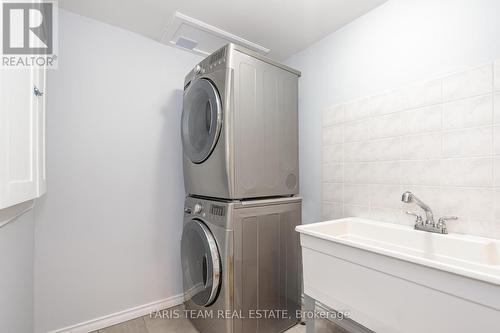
205 269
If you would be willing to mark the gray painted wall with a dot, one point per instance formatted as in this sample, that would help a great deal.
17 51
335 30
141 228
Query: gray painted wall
397 43
16 271
108 230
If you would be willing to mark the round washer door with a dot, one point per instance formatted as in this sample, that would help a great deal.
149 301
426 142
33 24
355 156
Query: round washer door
201 120
201 264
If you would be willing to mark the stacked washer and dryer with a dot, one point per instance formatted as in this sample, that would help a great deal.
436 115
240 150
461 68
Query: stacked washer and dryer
240 252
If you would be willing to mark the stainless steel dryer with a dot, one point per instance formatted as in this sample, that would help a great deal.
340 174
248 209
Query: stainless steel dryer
240 126
238 257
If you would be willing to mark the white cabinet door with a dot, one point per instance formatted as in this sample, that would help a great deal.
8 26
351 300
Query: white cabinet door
39 102
22 135
18 149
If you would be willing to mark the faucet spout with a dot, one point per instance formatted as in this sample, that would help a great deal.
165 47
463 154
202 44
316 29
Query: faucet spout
409 197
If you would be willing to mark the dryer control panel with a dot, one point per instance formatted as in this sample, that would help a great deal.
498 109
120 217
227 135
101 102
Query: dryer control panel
211 63
207 67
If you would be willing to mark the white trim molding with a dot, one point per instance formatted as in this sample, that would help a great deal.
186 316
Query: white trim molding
122 316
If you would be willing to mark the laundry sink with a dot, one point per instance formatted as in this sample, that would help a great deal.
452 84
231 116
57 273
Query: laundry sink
391 276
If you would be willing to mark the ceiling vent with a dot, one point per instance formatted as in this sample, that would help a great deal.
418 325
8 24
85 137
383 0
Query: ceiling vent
201 38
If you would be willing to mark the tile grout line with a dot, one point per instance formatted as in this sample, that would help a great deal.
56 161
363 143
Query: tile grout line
407 110
343 165
410 135
493 130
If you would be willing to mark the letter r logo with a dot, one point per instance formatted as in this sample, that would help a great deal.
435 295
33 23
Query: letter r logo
27 28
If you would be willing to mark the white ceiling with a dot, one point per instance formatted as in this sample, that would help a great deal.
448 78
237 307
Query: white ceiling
284 26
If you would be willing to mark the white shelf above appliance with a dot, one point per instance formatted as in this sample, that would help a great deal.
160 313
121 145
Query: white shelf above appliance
201 38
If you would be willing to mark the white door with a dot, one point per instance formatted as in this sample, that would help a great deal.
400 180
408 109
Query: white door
18 137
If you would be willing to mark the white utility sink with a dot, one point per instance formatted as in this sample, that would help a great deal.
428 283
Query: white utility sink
393 278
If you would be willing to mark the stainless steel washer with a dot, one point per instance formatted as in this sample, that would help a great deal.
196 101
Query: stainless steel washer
241 256
240 126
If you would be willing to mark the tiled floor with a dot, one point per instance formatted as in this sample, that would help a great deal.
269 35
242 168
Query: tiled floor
182 325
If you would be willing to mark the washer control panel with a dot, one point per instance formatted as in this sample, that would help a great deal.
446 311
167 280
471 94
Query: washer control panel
211 212
203 208
195 209
217 210
198 208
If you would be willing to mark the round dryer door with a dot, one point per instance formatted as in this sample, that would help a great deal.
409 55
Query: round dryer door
201 264
201 120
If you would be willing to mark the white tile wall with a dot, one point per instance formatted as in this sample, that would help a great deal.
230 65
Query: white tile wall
439 139
497 139
423 172
333 116
332 210
423 93
357 131
333 192
352 194
333 173
468 142
421 146
386 126
497 106
497 75
333 153
423 120
357 109
356 210
386 196
469 83
497 171
333 134
475 111
497 207
470 172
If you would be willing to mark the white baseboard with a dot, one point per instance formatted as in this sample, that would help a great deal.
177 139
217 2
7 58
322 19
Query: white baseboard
120 317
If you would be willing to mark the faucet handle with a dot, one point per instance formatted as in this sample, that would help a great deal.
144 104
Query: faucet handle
418 216
442 223
446 218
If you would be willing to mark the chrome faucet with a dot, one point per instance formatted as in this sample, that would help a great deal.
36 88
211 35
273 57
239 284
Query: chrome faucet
409 197
429 224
